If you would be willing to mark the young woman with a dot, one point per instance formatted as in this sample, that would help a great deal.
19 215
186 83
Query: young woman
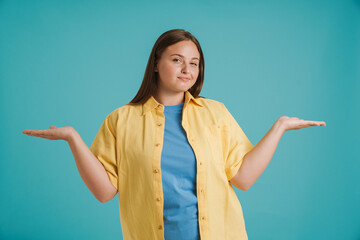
173 156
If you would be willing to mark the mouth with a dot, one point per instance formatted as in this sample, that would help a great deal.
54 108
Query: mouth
184 79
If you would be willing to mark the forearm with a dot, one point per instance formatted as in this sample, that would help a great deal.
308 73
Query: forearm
256 160
91 170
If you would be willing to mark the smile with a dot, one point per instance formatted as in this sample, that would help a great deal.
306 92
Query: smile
184 79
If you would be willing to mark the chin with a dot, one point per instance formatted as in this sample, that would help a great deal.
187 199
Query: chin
184 89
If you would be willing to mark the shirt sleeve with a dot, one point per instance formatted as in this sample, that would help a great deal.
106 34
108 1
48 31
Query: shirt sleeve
104 148
238 146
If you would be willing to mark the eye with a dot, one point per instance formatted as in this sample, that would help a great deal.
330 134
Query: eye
194 64
176 59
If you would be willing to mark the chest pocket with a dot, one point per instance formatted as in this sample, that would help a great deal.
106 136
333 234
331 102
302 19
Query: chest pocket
214 138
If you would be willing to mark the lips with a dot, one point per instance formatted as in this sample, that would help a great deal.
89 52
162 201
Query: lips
184 78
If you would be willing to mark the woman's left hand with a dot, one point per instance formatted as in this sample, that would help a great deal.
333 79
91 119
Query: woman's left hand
292 123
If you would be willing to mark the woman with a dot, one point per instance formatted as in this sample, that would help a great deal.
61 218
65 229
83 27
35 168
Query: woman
171 154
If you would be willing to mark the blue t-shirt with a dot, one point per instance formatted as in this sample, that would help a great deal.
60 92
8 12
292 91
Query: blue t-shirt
178 167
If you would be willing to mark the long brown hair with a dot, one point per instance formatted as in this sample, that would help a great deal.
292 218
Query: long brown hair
149 84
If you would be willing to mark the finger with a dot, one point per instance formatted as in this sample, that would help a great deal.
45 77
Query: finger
27 131
37 132
40 134
320 123
52 127
314 123
308 124
44 136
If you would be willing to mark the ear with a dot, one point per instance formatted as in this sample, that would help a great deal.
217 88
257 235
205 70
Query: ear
156 68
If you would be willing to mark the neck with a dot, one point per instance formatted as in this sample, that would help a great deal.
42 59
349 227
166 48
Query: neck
170 98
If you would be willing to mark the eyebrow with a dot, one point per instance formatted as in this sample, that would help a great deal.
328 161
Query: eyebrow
183 56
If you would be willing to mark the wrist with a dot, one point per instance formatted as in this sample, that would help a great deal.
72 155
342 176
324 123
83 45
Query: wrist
71 135
280 126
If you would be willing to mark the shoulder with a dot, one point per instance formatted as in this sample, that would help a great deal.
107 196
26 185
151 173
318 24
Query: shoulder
218 109
212 110
122 112
211 104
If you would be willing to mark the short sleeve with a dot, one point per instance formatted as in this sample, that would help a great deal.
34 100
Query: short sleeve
238 146
104 148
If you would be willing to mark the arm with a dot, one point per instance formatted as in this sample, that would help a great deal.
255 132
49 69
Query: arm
91 170
256 160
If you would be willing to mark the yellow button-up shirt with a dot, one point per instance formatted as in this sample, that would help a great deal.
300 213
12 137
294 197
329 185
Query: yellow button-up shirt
129 145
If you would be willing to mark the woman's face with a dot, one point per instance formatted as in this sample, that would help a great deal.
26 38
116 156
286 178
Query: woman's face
178 67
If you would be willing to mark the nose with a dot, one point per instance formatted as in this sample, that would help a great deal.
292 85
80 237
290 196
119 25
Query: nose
185 68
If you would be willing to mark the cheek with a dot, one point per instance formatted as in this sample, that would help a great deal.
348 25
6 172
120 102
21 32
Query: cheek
169 70
196 73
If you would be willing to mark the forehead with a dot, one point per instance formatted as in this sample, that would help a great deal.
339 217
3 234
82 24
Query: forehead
187 49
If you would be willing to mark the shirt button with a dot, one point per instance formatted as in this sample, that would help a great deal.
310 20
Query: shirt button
200 163
160 227
156 170
159 124
158 199
203 218
158 144
201 190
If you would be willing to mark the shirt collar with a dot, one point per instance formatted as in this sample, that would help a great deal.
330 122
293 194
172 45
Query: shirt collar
151 103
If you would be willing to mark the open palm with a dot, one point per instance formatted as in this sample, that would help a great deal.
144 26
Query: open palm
293 123
53 133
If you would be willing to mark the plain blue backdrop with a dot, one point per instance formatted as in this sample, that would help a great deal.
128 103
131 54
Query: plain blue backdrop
70 63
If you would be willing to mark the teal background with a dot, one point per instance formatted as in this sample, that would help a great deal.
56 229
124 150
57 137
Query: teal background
70 63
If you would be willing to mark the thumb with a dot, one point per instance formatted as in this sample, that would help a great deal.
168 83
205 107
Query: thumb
52 127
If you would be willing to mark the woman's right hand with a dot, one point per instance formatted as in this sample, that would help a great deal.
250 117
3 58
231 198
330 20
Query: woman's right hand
53 133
